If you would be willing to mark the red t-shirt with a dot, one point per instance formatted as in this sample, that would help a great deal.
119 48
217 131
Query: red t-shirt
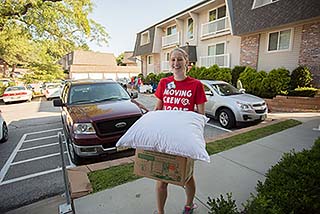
180 95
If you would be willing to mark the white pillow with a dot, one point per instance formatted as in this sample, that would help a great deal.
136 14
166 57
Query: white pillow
173 132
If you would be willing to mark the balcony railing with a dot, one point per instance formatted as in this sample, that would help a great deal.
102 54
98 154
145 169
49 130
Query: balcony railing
172 39
222 60
215 27
165 65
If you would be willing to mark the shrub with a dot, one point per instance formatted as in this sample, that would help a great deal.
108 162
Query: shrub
209 73
193 72
236 71
150 78
300 77
223 74
252 80
275 83
303 92
222 206
162 75
291 186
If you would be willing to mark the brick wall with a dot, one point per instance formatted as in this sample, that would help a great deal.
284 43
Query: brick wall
310 50
249 50
293 104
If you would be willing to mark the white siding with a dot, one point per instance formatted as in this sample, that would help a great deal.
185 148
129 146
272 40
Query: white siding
288 59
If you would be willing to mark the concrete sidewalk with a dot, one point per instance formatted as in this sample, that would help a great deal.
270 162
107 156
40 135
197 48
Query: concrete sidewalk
236 170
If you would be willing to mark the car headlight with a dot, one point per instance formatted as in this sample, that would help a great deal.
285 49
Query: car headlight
83 128
244 106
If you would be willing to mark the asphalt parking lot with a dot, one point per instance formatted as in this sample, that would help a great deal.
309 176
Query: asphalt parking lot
30 161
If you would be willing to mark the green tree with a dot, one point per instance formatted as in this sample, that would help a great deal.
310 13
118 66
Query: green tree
60 26
119 59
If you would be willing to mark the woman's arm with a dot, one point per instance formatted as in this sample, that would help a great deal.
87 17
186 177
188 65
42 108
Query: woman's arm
159 105
200 108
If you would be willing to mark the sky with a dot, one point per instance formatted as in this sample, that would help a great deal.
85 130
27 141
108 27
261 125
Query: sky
124 19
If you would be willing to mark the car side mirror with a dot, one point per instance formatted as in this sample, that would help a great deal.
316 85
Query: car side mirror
134 95
242 90
57 102
209 93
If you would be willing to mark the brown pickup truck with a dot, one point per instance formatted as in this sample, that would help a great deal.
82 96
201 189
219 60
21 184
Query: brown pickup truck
95 114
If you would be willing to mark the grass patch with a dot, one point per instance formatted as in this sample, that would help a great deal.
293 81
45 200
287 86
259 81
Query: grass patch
111 177
237 140
114 176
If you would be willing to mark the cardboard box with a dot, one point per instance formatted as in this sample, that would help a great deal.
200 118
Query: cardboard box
164 167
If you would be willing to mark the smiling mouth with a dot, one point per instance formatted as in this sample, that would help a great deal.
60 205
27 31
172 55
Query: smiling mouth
176 67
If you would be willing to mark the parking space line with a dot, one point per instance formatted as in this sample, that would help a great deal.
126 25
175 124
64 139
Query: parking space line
218 127
32 175
41 138
6 166
37 158
39 132
17 149
38 147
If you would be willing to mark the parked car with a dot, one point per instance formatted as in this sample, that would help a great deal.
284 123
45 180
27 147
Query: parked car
95 114
4 133
52 90
230 105
5 82
124 82
16 93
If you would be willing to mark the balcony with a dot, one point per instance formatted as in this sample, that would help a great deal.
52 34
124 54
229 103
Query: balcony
172 39
165 65
222 60
215 27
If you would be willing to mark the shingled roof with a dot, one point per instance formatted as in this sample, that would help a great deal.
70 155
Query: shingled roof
246 20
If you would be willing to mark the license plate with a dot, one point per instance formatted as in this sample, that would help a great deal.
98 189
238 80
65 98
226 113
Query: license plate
263 117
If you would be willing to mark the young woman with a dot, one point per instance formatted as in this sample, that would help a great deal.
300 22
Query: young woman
179 92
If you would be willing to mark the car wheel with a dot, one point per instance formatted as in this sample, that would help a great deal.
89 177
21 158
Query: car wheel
226 118
74 157
5 133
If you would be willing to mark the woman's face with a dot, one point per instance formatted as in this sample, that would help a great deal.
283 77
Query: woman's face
178 63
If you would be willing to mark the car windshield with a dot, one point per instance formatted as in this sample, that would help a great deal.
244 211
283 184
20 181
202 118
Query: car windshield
16 88
97 92
225 89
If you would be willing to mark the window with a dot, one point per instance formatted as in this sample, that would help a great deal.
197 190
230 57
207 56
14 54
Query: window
145 39
216 49
279 40
167 56
150 60
260 3
190 28
171 30
218 13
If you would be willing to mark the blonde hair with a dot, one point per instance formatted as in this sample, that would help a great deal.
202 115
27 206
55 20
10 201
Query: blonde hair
184 53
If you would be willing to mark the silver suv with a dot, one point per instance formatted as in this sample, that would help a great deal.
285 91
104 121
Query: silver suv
230 105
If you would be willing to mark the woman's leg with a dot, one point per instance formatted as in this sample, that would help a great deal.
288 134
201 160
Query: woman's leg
162 192
190 189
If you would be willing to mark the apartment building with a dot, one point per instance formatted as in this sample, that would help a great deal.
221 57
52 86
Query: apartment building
203 30
278 33
95 65
263 34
